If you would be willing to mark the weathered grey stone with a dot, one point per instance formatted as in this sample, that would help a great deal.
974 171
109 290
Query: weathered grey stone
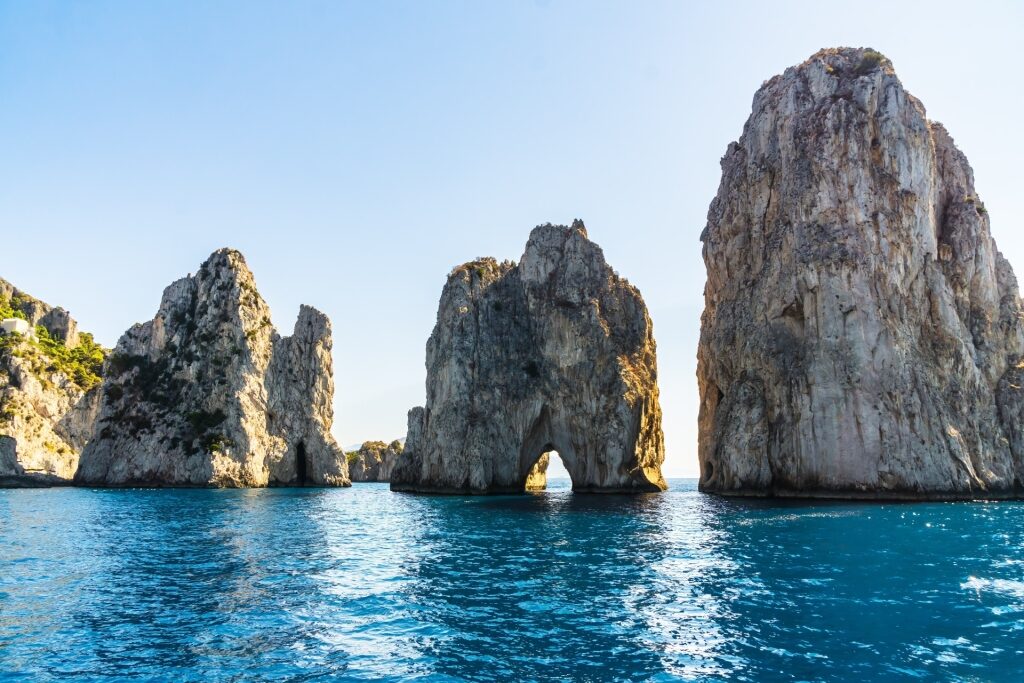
374 461
862 335
556 353
208 394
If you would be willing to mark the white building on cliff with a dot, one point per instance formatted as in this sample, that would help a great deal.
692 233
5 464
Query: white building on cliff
9 325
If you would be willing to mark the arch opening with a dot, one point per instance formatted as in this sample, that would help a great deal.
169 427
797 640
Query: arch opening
548 468
301 474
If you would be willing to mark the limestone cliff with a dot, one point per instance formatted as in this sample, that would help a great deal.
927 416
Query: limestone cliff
556 353
862 334
374 461
208 394
49 395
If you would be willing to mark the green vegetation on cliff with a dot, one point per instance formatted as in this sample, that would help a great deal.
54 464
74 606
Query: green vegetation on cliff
10 309
46 354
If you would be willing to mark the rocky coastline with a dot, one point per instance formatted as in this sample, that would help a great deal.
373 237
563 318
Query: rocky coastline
862 338
49 391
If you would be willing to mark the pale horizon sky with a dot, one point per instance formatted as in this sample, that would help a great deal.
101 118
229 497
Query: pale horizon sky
356 152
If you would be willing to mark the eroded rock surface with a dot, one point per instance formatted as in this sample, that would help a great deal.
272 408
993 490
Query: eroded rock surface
374 461
862 334
556 353
49 394
208 394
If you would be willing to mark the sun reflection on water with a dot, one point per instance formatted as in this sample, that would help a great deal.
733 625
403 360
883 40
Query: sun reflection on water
354 584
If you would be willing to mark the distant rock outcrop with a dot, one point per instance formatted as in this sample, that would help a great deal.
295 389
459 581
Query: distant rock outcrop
49 395
556 353
862 335
374 461
208 394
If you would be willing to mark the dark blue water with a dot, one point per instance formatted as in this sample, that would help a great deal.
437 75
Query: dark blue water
361 584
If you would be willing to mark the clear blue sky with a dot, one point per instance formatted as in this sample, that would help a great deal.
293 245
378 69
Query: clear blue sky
355 152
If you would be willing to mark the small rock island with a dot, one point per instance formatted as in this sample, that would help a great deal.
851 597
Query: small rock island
374 461
862 336
208 394
555 353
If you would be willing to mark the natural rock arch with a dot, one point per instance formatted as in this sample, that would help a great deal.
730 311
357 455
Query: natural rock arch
535 453
556 353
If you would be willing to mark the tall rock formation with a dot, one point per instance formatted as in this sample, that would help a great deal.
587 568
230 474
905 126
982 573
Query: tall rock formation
374 461
556 353
208 394
862 334
49 394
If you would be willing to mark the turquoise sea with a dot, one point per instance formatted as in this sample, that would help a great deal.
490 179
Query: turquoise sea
364 584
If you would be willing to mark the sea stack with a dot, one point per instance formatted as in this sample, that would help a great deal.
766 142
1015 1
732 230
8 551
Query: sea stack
49 390
374 461
556 353
208 394
862 335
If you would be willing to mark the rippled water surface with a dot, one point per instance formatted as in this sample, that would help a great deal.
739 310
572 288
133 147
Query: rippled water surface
361 584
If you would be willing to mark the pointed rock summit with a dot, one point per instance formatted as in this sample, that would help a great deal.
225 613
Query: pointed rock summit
556 353
208 394
862 334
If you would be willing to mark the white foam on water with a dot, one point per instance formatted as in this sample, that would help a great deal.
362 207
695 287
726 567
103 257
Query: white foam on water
1009 587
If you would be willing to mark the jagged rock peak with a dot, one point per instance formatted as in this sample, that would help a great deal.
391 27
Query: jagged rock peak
208 394
862 335
555 353
374 461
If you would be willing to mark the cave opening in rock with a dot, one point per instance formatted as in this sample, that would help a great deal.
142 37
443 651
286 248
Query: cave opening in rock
300 464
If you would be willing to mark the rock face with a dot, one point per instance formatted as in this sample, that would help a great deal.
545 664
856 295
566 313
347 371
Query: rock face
862 335
537 477
374 461
556 353
49 394
208 394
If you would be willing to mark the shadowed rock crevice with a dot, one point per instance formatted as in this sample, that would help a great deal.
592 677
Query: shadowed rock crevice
301 474
862 334
555 353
